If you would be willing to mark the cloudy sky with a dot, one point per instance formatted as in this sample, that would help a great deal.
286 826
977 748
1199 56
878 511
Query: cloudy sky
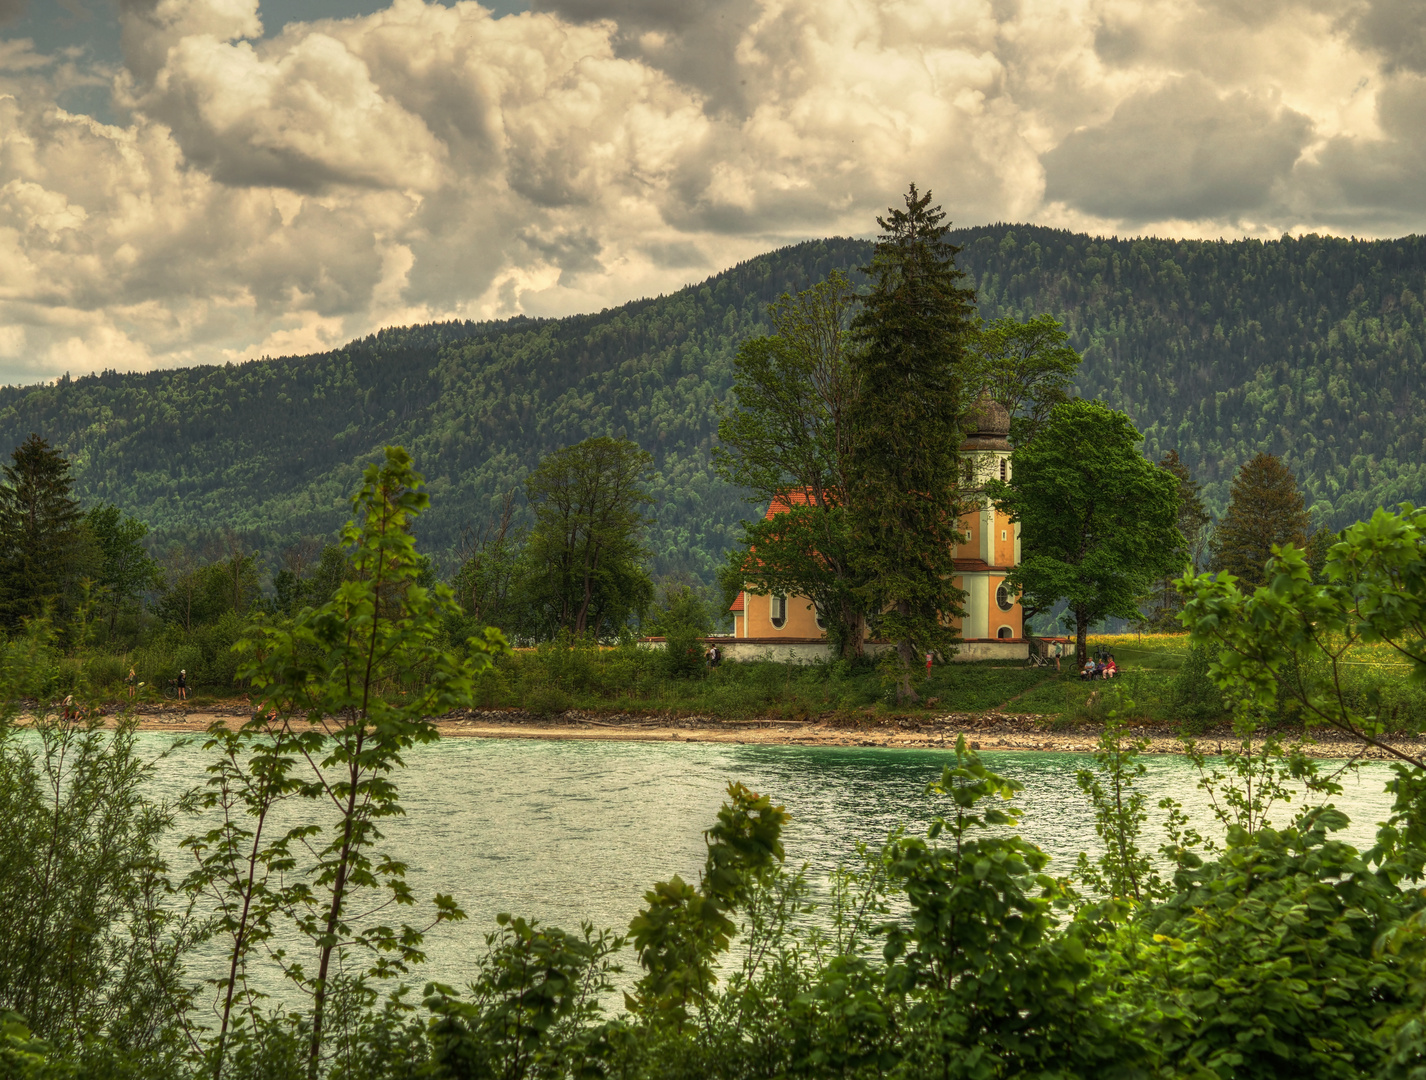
191 181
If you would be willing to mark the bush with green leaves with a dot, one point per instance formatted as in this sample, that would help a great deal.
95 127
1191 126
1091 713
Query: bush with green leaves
1252 944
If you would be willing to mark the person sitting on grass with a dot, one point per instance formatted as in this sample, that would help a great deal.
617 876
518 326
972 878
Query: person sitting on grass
1111 669
1089 670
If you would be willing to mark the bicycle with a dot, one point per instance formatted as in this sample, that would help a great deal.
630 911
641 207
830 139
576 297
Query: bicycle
1035 660
171 690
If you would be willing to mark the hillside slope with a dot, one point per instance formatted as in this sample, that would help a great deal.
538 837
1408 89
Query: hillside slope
1312 348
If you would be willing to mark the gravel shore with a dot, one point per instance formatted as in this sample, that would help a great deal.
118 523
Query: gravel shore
987 731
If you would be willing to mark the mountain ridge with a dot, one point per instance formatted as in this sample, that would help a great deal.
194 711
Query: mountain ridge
1309 347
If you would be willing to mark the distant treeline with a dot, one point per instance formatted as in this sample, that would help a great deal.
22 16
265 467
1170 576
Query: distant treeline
1307 348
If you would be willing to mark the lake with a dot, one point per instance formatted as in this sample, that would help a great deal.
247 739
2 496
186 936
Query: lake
565 831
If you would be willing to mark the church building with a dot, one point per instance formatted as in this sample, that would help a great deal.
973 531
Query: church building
993 626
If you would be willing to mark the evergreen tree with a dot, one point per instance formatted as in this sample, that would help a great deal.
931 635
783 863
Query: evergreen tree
1265 508
1164 603
41 539
911 337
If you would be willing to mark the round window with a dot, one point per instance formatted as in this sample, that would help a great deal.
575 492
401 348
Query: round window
1005 600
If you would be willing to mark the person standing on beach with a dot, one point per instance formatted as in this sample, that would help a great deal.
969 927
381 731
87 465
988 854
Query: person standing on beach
183 685
131 680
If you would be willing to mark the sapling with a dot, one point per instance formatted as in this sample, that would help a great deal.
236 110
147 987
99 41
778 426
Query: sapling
344 690
1123 871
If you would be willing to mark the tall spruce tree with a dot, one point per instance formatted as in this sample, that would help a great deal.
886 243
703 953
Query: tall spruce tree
41 538
910 343
1264 508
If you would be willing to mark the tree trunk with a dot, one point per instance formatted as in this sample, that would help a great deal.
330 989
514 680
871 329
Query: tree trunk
1081 632
582 620
906 651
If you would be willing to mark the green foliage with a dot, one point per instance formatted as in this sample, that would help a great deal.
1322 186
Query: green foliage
1027 367
1268 956
789 442
1265 511
997 991
41 538
89 947
583 564
683 619
794 390
346 689
1194 694
1164 603
124 570
533 1011
488 581
303 583
1123 871
1273 950
1297 638
683 928
902 476
1099 522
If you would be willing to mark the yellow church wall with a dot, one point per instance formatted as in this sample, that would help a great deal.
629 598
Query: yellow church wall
1014 618
801 619
970 527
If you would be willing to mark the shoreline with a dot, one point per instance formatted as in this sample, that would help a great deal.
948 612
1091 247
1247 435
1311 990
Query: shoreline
987 731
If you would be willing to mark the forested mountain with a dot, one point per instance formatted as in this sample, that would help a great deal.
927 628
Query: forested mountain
1309 348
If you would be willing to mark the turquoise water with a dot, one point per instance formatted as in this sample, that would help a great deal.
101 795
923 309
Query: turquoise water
567 831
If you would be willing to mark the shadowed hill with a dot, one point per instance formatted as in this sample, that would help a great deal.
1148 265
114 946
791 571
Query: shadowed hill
1311 348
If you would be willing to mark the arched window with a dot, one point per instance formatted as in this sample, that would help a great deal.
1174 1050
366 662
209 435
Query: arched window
1005 632
821 622
1004 469
779 611
1004 600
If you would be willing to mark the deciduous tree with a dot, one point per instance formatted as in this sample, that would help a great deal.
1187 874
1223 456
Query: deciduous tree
1099 521
1028 367
124 567
584 562
788 442
902 476
489 562
346 690
1164 603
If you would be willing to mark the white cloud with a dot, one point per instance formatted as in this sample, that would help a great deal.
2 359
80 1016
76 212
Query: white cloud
285 193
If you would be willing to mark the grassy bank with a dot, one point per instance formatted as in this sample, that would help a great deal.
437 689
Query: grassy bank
1161 682
549 680
1157 685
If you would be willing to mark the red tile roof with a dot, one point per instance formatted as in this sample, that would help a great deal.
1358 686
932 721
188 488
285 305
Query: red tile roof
737 605
783 503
